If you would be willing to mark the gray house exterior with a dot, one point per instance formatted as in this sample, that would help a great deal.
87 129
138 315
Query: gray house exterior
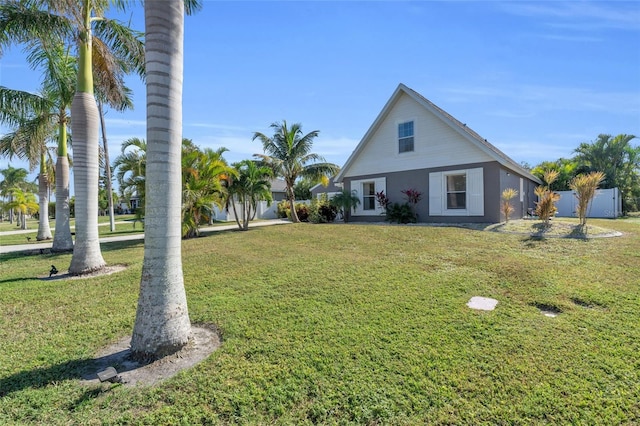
414 144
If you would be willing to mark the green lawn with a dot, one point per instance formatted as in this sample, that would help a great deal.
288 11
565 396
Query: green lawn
341 324
104 229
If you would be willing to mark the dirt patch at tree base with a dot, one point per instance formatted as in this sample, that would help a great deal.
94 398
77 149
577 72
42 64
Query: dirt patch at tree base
204 340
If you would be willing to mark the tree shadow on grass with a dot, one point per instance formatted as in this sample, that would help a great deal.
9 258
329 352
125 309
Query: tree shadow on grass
80 369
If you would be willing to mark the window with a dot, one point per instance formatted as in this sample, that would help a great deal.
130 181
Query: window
405 137
366 190
369 196
456 191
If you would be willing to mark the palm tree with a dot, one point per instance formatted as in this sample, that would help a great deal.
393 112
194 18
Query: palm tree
36 23
345 200
250 185
162 323
288 153
203 173
13 178
24 202
130 170
42 115
617 159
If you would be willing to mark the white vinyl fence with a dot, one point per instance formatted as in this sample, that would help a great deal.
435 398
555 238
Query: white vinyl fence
606 204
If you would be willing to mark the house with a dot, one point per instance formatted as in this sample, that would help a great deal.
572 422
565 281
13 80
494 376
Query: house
330 190
414 144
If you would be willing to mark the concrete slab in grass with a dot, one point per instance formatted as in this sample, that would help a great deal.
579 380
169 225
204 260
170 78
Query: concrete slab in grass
482 303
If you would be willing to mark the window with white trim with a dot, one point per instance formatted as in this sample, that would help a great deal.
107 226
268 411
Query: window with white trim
456 191
405 137
369 196
366 190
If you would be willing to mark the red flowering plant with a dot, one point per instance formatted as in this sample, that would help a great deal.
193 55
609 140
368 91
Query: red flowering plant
382 200
413 196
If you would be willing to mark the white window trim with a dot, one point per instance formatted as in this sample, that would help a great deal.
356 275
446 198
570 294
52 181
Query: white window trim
455 212
398 123
380 184
438 193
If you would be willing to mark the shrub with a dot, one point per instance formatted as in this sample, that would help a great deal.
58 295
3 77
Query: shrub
585 187
505 206
546 204
284 211
302 210
400 213
382 200
321 211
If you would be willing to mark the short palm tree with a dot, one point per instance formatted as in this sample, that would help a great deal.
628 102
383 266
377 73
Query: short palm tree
250 185
202 187
345 201
12 178
24 203
130 170
585 186
288 154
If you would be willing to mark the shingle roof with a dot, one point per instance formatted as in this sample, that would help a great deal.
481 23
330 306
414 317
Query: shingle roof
454 123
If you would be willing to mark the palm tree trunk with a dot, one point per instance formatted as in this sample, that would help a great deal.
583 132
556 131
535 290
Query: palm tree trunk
23 221
107 169
62 240
11 210
162 323
87 256
44 231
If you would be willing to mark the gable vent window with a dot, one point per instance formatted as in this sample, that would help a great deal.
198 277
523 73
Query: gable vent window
405 137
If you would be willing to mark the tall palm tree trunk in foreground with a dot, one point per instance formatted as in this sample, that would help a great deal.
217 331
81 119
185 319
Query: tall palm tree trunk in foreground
162 323
87 256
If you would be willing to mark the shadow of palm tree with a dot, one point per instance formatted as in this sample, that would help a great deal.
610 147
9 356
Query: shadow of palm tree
82 369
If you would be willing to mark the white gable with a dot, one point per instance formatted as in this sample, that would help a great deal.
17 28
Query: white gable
436 143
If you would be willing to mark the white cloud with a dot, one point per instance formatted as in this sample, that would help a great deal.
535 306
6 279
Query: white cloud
580 15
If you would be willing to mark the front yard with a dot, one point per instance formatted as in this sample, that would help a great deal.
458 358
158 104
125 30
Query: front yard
343 324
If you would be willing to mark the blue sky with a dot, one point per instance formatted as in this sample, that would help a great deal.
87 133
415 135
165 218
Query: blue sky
534 78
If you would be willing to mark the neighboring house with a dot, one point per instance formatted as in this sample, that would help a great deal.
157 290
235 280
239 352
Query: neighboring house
278 190
413 144
264 211
331 189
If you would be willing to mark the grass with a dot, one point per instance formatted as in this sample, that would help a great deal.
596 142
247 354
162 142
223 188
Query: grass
104 230
345 324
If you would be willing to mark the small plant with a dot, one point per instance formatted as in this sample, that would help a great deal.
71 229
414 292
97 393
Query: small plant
284 209
505 206
546 204
344 201
321 211
585 187
302 211
382 200
400 213
413 197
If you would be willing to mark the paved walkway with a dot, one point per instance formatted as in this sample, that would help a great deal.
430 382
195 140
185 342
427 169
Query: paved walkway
140 236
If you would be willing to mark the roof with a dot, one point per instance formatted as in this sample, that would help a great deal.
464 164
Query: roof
278 185
448 119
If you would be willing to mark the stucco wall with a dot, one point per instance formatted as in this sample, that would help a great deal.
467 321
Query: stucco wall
495 179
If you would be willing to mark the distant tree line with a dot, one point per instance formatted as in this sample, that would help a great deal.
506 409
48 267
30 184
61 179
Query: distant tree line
615 156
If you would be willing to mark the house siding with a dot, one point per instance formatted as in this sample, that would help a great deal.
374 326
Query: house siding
434 143
419 180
